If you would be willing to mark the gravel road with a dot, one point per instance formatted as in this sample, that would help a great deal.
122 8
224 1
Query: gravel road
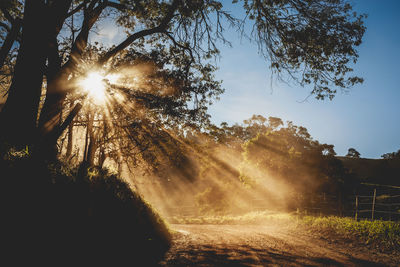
266 245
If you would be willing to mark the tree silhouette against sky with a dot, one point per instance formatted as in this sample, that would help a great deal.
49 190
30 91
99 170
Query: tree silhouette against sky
306 42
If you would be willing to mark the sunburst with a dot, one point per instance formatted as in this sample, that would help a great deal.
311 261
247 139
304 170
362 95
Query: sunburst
95 86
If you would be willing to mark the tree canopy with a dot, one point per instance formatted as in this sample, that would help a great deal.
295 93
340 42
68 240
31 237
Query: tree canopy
391 155
353 153
306 41
227 166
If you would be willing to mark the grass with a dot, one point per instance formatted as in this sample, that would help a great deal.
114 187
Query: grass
383 234
256 217
54 215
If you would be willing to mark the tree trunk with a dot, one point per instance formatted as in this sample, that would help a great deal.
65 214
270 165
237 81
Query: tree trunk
102 146
92 150
19 114
70 135
89 130
90 142
59 87
55 96
102 157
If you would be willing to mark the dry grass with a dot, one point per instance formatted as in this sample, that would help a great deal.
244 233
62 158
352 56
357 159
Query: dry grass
382 234
256 217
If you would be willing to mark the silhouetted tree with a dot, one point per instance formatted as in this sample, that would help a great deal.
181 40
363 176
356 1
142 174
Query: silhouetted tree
392 155
291 156
311 42
353 153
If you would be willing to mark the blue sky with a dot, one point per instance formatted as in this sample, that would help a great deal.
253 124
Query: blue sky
366 118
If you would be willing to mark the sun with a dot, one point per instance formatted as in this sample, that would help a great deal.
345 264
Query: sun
95 86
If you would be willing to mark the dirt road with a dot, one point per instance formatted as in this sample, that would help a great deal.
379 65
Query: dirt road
254 245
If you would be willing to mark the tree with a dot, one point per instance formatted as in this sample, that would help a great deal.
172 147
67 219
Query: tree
287 159
11 29
153 102
311 42
392 155
353 153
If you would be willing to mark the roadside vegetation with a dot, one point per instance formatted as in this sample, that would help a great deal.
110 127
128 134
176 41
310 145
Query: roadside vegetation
58 215
384 235
71 106
256 217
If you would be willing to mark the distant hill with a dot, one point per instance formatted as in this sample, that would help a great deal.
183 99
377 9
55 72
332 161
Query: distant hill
378 171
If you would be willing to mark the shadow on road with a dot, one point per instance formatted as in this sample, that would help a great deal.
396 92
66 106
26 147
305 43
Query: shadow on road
210 245
247 256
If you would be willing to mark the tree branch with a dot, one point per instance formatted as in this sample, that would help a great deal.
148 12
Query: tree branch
159 29
127 42
90 17
75 10
118 6
179 45
59 10
7 15
5 26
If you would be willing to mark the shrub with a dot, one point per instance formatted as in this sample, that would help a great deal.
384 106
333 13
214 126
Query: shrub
53 215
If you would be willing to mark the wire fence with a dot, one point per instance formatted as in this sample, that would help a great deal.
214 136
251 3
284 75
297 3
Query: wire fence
378 205
372 202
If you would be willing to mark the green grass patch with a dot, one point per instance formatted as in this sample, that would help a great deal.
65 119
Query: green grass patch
256 217
382 234
385 234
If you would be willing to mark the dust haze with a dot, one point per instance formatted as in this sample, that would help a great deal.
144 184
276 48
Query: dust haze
215 180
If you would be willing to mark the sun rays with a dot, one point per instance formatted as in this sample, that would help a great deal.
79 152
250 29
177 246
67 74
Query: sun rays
112 100
94 84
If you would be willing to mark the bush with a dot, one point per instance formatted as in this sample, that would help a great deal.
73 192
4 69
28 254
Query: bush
53 215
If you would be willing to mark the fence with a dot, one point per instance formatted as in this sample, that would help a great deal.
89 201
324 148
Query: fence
322 204
381 204
372 202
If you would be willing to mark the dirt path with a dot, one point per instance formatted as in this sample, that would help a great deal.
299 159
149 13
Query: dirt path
254 245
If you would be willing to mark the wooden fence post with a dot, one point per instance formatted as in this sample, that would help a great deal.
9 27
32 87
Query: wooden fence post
373 203
356 215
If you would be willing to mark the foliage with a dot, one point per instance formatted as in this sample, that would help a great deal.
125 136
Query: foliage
263 158
153 96
257 217
296 36
375 171
14 154
392 155
353 153
314 42
55 214
291 154
384 234
95 213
